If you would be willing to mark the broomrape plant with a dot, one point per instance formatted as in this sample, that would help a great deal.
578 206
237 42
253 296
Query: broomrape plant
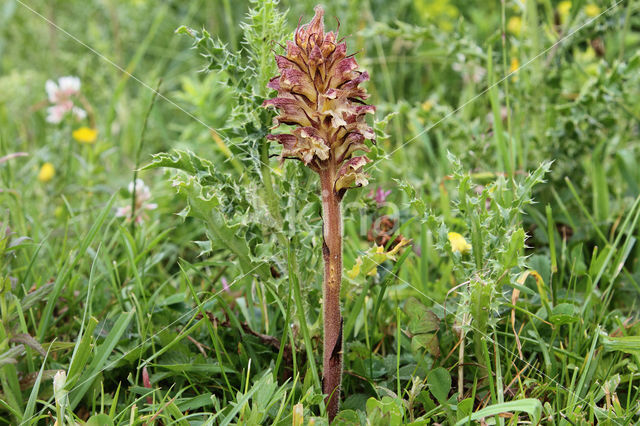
320 122
318 95
463 301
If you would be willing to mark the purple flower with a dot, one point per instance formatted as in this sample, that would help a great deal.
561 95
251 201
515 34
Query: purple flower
380 196
225 285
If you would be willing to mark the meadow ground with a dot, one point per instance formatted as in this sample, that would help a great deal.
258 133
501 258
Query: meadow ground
159 263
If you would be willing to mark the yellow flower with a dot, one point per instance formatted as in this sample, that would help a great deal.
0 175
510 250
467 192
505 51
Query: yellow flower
591 10
458 243
514 25
355 271
441 12
564 7
367 264
47 171
515 64
85 135
427 105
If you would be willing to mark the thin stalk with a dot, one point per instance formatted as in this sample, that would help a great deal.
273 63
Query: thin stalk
228 17
332 256
461 358
138 155
512 156
625 30
398 348
297 295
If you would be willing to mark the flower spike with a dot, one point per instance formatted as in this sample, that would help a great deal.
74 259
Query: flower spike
319 95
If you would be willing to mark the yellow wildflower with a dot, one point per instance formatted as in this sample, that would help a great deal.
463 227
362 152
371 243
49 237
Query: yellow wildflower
47 171
515 64
367 264
427 105
514 25
458 243
355 271
85 135
564 7
441 12
591 10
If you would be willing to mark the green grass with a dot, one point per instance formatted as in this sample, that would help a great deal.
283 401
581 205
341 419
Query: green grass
215 294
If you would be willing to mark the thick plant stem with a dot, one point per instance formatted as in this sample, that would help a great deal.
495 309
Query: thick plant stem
318 95
332 255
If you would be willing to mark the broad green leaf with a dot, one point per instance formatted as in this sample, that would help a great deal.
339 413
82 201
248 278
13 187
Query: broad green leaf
346 418
439 381
387 411
99 420
564 313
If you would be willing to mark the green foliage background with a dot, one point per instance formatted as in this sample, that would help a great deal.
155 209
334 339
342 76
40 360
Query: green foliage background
513 124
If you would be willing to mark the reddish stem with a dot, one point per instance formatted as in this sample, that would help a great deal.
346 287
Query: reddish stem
332 255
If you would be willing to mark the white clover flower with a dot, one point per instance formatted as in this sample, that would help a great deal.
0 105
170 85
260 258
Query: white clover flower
79 113
61 95
63 90
56 113
143 194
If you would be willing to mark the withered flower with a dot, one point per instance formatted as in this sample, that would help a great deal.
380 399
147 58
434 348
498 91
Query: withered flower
320 98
